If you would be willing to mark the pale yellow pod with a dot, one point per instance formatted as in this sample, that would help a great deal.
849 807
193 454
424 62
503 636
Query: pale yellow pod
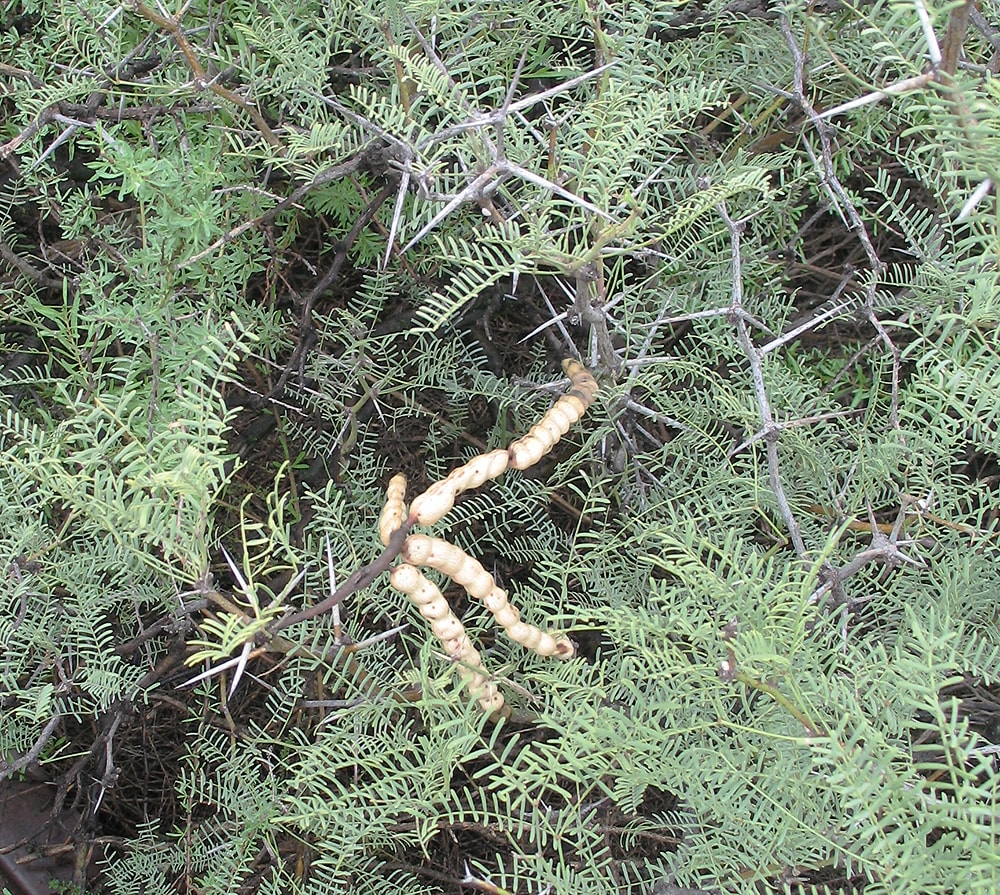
541 438
557 421
483 468
416 549
410 581
404 578
478 584
491 700
478 682
495 601
549 429
451 634
527 451
544 435
573 406
448 559
523 633
432 505
583 385
394 511
547 646
429 601
452 560
447 627
434 609
456 646
473 678
565 413
564 646
542 642
470 656
537 641
505 615
439 498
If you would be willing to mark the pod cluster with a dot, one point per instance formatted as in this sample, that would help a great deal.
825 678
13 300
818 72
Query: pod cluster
446 558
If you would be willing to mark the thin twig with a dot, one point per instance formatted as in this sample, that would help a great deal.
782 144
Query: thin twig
8 768
770 430
485 182
846 207
884 548
39 277
814 321
297 358
201 79
337 172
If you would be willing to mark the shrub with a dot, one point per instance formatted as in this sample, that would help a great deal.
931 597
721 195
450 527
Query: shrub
258 258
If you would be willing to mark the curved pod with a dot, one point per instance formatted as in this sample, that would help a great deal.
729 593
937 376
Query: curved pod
545 434
439 499
470 574
429 600
394 511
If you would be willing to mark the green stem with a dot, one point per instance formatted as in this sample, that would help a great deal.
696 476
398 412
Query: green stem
812 728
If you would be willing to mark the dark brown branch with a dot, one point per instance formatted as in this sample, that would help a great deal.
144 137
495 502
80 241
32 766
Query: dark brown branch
337 172
27 270
340 256
357 581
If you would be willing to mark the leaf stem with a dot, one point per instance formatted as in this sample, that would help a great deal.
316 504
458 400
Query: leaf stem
812 728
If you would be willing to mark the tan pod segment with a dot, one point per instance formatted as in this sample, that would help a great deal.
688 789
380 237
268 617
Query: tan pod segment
427 597
439 499
544 435
394 511
470 574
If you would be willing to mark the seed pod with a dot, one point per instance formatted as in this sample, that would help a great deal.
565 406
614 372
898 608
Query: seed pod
451 560
470 574
438 500
427 597
506 615
583 385
447 558
394 511
544 435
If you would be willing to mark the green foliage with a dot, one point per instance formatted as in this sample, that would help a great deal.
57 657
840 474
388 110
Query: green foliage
774 536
